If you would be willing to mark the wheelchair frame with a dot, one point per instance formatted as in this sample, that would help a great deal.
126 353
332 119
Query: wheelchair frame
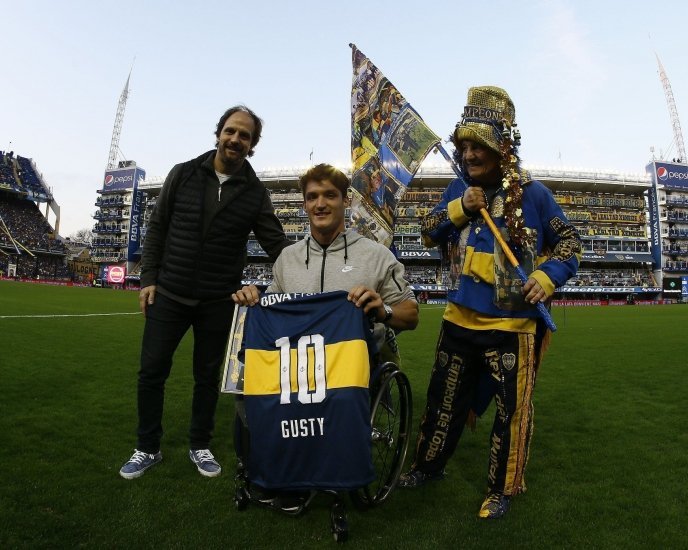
391 418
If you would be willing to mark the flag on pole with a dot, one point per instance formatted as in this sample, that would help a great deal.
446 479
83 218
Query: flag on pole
389 140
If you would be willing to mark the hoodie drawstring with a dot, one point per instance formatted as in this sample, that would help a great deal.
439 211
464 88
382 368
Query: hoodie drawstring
308 251
346 250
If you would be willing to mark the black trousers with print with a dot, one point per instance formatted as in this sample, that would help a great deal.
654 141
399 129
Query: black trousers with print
469 363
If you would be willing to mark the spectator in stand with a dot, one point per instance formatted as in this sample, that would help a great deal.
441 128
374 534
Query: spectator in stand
192 262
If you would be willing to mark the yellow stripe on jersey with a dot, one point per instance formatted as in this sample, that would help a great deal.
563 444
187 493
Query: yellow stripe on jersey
346 365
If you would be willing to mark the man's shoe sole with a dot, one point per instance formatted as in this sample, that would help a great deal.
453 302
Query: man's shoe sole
209 474
132 475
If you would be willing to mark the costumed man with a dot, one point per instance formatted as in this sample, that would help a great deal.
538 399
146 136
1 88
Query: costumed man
491 340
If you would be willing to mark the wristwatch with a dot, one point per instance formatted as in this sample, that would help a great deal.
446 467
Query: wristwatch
388 313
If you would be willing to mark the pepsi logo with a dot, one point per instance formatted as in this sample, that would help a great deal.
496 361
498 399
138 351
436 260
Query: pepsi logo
116 274
109 178
662 173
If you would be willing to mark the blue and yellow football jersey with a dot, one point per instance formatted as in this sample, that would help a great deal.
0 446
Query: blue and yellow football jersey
306 376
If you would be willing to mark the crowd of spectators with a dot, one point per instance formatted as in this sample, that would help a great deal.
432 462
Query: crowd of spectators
109 227
608 224
7 179
99 242
600 246
613 277
423 275
258 272
254 249
111 200
107 256
408 245
38 266
26 240
599 199
677 200
678 232
676 248
676 265
613 230
18 173
26 225
677 216
29 177
110 214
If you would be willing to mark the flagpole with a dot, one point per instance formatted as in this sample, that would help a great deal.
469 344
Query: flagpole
542 310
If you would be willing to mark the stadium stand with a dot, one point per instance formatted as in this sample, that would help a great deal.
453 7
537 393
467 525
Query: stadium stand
18 174
608 209
29 248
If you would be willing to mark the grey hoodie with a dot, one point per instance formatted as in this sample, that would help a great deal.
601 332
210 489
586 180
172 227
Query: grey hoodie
350 260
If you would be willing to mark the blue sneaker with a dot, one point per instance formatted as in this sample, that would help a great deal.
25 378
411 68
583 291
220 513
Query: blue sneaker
139 463
495 506
205 462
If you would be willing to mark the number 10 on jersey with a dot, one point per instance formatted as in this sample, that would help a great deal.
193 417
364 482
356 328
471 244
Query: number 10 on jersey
305 396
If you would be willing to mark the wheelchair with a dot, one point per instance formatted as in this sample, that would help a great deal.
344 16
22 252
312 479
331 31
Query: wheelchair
391 418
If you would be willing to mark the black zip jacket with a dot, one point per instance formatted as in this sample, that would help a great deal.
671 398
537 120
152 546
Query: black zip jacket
195 244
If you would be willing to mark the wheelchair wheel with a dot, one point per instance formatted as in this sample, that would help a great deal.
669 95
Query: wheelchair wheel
391 417
241 499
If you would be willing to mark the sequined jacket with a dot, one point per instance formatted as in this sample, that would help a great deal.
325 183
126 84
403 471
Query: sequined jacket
483 285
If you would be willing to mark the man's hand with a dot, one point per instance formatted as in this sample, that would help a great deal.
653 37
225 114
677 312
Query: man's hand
146 298
369 300
474 199
533 292
247 296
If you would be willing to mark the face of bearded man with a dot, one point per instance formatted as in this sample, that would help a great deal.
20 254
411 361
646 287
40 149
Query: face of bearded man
234 142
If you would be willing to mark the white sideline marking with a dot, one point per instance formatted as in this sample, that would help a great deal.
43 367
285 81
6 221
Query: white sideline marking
65 315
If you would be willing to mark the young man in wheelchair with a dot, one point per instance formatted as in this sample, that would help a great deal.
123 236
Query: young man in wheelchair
333 258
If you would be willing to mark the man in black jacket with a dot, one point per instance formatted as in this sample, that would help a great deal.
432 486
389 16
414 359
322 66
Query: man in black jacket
193 258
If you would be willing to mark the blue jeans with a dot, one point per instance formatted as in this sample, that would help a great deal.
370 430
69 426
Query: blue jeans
166 323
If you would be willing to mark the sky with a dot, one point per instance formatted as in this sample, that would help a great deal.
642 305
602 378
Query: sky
582 74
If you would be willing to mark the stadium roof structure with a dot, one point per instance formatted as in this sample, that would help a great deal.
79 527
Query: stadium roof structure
436 175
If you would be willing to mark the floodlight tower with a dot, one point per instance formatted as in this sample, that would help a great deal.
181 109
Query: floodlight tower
673 113
117 130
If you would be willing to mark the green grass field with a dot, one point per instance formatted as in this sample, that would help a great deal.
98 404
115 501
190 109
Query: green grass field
608 465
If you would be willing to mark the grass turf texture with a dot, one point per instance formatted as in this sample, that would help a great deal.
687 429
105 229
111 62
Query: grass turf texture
607 466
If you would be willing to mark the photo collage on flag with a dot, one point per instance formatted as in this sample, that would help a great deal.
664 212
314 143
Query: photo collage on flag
389 141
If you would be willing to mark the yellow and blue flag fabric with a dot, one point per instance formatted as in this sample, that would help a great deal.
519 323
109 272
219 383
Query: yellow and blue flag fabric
389 140
306 376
